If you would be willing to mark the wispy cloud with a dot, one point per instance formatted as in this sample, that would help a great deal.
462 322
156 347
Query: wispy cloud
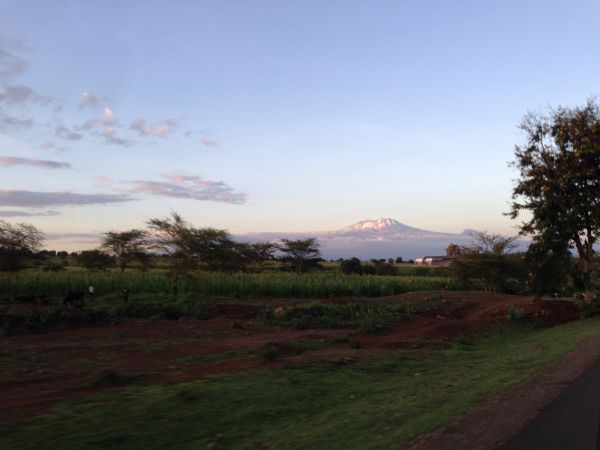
51 146
8 161
14 123
16 213
162 128
20 95
90 100
108 119
110 137
107 124
63 132
211 143
179 185
33 199
11 65
86 238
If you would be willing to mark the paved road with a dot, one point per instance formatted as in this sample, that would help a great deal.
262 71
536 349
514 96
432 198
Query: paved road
572 422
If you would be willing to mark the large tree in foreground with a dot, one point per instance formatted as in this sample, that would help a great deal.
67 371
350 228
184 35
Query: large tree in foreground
559 183
16 242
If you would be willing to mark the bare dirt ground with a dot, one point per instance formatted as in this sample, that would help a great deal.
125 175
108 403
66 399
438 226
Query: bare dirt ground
39 370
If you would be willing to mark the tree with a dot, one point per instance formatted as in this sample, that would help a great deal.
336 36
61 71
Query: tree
95 260
188 247
489 243
17 241
492 271
559 181
301 254
126 246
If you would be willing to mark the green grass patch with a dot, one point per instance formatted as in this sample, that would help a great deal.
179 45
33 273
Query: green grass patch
357 406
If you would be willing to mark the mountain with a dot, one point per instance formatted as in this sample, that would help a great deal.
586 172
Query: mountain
378 238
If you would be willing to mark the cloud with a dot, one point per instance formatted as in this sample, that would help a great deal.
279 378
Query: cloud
8 161
162 128
107 123
110 137
13 123
33 199
20 95
63 132
108 119
211 143
90 100
188 186
51 146
15 213
74 237
11 65
188 134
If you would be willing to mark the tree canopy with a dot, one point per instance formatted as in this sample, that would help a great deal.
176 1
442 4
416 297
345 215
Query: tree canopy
16 242
300 254
127 246
559 183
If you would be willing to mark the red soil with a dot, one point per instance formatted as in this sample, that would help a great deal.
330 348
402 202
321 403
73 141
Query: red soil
39 370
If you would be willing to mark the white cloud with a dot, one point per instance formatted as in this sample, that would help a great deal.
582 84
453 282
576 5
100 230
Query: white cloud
161 128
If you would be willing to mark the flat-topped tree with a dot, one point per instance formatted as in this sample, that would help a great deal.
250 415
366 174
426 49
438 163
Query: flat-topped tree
559 183
127 246
301 254
188 246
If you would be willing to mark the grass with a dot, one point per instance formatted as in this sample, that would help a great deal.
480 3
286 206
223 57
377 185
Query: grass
377 405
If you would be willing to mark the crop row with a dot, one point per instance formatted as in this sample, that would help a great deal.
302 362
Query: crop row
241 285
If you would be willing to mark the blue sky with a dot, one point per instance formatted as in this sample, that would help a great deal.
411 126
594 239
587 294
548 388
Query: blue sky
278 115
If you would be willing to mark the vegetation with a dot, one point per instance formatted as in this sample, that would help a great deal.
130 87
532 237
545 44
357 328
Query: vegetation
16 242
127 246
321 284
301 255
381 404
559 182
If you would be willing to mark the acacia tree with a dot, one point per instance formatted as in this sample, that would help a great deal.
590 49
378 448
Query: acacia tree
16 242
126 246
492 242
300 254
187 246
559 181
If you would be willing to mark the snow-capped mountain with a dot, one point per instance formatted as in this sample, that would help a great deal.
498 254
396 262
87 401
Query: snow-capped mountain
384 227
378 238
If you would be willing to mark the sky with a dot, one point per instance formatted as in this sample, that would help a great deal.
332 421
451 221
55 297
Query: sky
282 116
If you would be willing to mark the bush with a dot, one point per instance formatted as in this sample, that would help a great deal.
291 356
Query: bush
352 265
495 273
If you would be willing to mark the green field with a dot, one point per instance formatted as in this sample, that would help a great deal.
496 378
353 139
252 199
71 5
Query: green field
319 284
321 405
